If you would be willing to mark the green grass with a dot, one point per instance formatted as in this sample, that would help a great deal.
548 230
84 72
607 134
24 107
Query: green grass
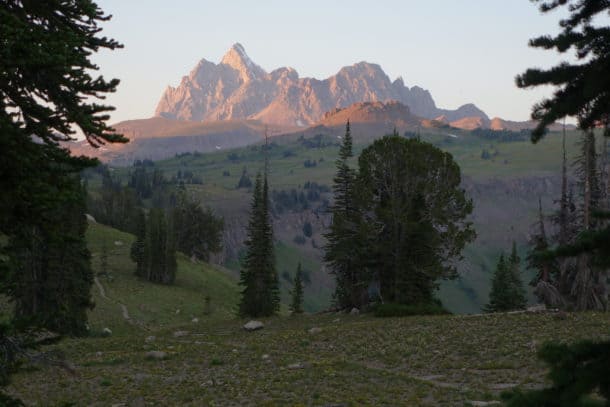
354 360
350 360
153 304
499 218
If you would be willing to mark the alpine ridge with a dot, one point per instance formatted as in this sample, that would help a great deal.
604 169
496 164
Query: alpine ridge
237 88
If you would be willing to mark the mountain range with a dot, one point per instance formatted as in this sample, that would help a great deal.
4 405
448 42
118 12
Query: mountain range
237 88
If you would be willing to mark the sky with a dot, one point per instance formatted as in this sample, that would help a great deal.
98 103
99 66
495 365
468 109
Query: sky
466 51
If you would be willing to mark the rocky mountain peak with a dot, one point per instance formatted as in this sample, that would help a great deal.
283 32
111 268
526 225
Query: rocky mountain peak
237 88
238 59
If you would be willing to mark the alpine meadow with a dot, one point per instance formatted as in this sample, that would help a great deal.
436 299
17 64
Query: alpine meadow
252 236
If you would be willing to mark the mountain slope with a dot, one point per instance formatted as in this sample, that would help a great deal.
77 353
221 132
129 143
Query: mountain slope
237 88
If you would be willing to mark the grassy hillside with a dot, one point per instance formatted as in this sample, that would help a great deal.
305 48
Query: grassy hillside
151 305
505 188
347 360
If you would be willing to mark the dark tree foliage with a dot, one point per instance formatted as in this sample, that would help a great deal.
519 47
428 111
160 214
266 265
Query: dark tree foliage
244 180
579 376
198 232
138 253
296 303
258 276
583 88
159 248
51 272
341 238
46 92
583 91
410 200
507 292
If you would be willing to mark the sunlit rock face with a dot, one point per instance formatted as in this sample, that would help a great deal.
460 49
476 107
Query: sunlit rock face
237 88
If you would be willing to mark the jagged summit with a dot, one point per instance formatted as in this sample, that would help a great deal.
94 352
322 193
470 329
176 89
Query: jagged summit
237 88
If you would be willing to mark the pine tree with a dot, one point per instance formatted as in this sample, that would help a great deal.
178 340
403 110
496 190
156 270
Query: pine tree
296 305
258 276
339 250
519 300
500 295
104 259
137 253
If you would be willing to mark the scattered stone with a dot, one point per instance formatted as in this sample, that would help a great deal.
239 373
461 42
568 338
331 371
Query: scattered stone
561 315
98 354
150 339
265 356
295 366
90 218
195 320
537 308
315 330
355 311
118 243
156 355
234 351
106 332
179 334
254 326
336 320
137 402
177 311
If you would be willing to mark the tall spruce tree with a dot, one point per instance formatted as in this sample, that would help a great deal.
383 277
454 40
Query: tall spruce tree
47 92
296 303
341 238
138 253
519 299
500 295
583 91
258 276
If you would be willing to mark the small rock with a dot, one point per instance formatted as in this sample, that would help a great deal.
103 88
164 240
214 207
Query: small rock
234 351
254 325
137 402
315 330
106 332
150 339
156 354
98 354
476 403
90 218
295 366
355 311
195 320
561 315
178 334
336 320
265 356
537 308
118 243
177 311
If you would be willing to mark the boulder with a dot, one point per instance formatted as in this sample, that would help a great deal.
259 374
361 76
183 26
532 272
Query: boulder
314 330
150 339
156 355
106 332
355 311
537 308
254 326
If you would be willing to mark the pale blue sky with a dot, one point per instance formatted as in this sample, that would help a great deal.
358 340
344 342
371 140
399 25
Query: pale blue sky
460 50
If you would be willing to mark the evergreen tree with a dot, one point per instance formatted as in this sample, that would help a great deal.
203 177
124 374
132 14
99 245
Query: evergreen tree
159 249
296 305
580 92
341 242
500 297
47 91
258 276
519 300
138 254
104 259
413 223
